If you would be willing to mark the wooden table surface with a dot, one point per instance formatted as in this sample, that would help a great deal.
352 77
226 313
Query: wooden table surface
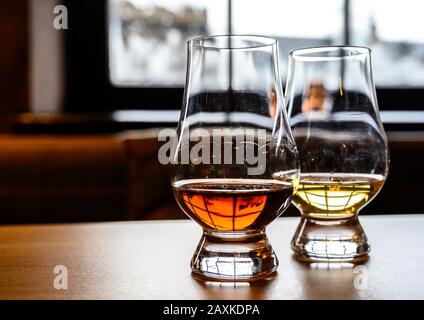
150 260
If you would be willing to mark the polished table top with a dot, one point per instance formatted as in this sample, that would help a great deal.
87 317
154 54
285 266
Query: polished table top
150 260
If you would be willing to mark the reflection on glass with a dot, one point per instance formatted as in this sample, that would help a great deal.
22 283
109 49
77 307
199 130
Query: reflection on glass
316 99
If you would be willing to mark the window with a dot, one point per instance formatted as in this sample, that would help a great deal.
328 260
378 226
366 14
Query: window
295 24
137 59
394 31
147 38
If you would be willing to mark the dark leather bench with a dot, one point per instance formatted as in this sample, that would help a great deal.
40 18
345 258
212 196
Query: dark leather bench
65 178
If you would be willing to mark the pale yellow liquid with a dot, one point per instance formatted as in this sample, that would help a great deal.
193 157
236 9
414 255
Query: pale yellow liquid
335 196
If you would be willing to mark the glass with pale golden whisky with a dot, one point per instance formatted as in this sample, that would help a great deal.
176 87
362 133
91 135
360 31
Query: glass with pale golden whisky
343 152
335 196
234 161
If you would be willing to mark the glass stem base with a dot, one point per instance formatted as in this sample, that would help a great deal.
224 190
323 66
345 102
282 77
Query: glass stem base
238 256
330 240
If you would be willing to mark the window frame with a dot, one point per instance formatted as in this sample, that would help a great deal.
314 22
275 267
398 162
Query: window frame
88 84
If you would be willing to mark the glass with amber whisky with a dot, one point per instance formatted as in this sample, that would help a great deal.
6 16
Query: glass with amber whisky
234 161
343 152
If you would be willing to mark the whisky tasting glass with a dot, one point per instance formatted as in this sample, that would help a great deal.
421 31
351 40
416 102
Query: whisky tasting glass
343 152
235 164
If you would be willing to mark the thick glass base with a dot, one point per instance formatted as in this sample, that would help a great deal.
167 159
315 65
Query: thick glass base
236 256
330 240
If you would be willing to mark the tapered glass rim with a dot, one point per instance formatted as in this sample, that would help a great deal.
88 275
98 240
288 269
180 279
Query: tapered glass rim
225 43
329 53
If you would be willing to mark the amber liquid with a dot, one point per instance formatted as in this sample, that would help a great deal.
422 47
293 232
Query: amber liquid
335 196
233 204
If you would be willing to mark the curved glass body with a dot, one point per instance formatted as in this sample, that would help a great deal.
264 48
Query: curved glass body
235 164
343 152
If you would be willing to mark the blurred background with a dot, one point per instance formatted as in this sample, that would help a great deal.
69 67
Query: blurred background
85 86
